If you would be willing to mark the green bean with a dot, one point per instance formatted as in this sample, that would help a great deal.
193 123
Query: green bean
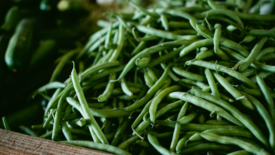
125 88
126 97
164 22
97 146
228 140
158 99
46 135
51 85
81 122
142 62
182 14
139 47
98 86
176 24
61 64
229 13
226 98
106 57
108 90
120 106
58 115
213 5
163 34
141 9
242 152
188 118
223 41
137 85
87 113
28 131
71 117
188 75
149 51
204 104
252 56
140 116
265 52
223 69
154 141
267 96
106 113
256 17
94 38
108 36
128 142
185 32
160 112
102 74
50 117
152 75
266 117
123 23
183 140
79 131
235 93
120 131
253 92
205 147
66 131
248 39
212 83
148 38
201 118
165 57
150 92
267 57
205 54
120 44
255 64
216 41
67 112
197 44
235 112
221 131
149 82
88 72
215 122
222 18
176 133
262 33
196 83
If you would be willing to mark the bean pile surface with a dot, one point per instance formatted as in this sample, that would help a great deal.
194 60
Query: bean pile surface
174 79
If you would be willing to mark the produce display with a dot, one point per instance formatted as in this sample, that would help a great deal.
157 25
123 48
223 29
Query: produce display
179 77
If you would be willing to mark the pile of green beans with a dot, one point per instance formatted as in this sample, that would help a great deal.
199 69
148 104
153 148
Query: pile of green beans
190 77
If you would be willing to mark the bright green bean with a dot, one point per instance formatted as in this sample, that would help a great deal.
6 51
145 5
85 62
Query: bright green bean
204 104
234 141
253 54
223 69
188 75
235 112
154 141
158 99
230 89
87 113
197 44
267 96
164 22
108 90
97 146
212 83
